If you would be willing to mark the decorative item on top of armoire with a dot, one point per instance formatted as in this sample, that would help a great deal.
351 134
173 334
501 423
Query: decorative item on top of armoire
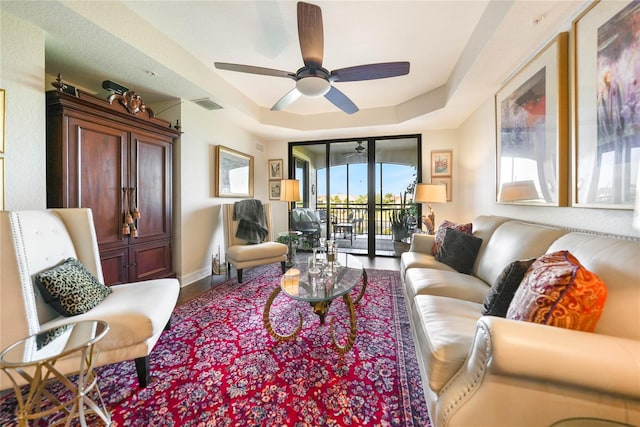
108 157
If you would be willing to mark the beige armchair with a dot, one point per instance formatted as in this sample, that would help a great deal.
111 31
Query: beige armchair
37 240
242 255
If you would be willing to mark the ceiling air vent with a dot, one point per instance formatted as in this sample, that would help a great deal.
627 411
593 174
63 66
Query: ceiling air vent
207 103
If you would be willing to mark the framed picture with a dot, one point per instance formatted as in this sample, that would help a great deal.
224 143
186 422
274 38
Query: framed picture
447 182
234 173
2 96
532 130
274 190
275 168
606 105
441 163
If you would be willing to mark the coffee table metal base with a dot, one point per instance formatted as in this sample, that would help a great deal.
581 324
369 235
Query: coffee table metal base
320 308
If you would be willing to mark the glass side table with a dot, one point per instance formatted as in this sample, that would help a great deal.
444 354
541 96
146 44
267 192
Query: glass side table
34 359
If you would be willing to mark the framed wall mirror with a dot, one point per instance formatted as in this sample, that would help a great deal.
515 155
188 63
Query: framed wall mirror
234 173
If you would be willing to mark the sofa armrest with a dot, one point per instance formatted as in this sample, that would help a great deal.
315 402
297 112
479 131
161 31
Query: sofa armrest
422 243
547 353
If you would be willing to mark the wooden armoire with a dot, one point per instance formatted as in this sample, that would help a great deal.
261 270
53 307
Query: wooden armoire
114 157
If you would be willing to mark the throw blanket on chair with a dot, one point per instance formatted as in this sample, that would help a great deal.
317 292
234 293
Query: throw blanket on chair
251 226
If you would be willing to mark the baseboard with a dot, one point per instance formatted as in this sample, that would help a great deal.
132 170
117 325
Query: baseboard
187 279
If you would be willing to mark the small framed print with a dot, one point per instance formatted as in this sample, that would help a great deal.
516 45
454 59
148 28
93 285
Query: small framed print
447 183
441 163
275 169
274 190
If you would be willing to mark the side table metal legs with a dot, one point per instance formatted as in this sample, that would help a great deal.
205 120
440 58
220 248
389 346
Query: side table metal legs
85 394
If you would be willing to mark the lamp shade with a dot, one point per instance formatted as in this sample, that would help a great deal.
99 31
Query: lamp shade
518 190
430 193
289 190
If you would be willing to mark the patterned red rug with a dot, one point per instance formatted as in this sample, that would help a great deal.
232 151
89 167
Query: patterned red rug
218 366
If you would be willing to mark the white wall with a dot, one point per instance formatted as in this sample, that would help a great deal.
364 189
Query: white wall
477 155
198 231
22 77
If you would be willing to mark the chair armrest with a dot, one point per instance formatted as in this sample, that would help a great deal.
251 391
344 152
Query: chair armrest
548 353
422 243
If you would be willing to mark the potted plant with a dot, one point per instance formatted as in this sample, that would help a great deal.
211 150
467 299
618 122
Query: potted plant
401 220
295 240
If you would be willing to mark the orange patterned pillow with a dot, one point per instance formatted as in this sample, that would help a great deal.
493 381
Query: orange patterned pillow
557 290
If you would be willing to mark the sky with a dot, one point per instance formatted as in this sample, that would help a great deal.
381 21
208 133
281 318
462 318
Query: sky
396 178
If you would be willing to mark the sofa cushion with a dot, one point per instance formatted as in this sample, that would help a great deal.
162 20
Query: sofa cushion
70 288
445 328
497 301
252 252
130 322
459 250
557 290
446 283
511 241
442 230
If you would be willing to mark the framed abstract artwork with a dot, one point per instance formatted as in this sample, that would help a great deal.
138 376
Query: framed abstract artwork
532 130
234 173
607 105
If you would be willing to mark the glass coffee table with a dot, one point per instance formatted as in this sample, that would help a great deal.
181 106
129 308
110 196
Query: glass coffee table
319 290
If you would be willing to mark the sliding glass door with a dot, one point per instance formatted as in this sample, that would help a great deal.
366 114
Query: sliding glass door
354 185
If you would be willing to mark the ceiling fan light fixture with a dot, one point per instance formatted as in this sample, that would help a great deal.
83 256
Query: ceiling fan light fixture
313 86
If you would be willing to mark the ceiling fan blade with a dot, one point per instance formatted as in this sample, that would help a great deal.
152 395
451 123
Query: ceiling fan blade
254 70
310 34
291 96
370 72
341 101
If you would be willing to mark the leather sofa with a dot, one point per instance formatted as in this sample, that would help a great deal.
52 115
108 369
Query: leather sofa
35 240
491 371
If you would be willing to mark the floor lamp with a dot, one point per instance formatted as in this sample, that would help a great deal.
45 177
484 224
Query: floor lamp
430 193
289 192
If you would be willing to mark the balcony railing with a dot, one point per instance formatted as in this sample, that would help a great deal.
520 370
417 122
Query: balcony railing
356 213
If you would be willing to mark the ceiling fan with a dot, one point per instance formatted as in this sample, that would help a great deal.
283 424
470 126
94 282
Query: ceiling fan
357 152
312 79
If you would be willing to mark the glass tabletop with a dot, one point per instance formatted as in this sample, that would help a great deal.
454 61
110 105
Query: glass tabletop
53 343
328 282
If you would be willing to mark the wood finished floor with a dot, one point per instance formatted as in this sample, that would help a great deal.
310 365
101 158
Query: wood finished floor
194 289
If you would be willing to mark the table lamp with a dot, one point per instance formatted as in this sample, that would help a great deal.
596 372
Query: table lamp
430 193
289 192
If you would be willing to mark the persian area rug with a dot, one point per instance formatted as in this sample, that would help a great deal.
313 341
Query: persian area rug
218 366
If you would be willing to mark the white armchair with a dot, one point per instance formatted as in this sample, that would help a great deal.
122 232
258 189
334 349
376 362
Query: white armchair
241 255
33 241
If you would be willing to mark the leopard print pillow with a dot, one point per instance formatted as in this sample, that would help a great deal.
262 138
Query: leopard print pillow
70 288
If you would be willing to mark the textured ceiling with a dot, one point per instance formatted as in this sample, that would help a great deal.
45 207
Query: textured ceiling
460 54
